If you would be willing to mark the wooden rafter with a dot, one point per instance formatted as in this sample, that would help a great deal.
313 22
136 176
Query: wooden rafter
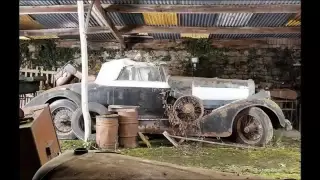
178 44
154 29
104 20
204 8
211 30
141 8
54 9
62 31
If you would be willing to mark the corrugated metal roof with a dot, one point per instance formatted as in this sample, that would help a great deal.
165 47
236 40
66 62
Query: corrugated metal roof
240 36
27 22
92 37
194 35
233 19
269 20
48 2
295 20
160 19
100 37
61 20
201 2
122 19
199 20
165 35
37 2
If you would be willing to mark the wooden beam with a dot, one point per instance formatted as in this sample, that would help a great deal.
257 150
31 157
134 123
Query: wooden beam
62 31
100 15
178 44
54 9
152 29
221 43
141 8
211 30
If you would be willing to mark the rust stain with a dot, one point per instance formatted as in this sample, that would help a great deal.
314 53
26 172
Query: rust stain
154 18
27 22
195 35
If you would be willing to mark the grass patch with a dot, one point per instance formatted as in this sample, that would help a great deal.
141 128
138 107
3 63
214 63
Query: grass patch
281 159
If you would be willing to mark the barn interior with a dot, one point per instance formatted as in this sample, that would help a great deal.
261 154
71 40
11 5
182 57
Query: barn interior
228 39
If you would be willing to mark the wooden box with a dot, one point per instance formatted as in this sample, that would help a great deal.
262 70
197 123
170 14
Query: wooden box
38 140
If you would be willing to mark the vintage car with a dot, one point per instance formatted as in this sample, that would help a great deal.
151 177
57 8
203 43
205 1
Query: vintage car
193 106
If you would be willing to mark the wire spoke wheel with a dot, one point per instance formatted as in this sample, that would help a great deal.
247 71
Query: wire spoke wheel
62 119
253 127
249 128
185 114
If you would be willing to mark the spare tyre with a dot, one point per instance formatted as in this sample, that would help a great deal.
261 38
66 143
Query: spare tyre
77 121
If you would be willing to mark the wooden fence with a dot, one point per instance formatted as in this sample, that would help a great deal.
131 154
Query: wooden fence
38 71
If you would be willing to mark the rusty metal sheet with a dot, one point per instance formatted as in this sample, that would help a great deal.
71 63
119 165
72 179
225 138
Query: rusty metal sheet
194 35
27 22
160 19
295 21
44 37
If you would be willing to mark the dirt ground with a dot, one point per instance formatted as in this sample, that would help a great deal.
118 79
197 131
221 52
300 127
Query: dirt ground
279 160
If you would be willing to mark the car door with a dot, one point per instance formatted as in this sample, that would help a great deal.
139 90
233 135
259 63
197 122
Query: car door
141 86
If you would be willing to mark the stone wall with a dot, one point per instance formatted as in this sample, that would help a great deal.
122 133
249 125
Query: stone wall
267 67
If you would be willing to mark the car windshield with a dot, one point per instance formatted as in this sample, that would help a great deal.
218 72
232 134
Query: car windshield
147 74
143 73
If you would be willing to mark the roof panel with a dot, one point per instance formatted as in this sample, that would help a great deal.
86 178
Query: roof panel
100 37
122 19
295 20
165 35
92 37
269 20
61 20
201 2
27 22
160 19
242 36
198 20
48 2
194 35
233 19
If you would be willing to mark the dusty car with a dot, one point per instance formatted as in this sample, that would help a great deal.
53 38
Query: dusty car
193 106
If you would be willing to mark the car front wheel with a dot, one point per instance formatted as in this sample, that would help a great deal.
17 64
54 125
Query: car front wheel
253 127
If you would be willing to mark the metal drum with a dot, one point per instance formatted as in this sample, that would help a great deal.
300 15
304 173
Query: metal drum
128 125
107 131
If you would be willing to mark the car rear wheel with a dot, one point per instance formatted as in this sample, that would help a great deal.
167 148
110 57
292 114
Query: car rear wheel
77 122
253 127
61 112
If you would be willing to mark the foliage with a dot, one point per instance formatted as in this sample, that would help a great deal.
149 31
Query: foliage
208 56
46 53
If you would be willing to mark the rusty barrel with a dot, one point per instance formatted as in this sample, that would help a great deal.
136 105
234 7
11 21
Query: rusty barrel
107 131
128 125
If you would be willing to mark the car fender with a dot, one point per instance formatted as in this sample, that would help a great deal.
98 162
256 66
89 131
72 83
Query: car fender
46 97
219 122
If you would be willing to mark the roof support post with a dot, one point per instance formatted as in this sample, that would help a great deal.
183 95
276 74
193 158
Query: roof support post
84 80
